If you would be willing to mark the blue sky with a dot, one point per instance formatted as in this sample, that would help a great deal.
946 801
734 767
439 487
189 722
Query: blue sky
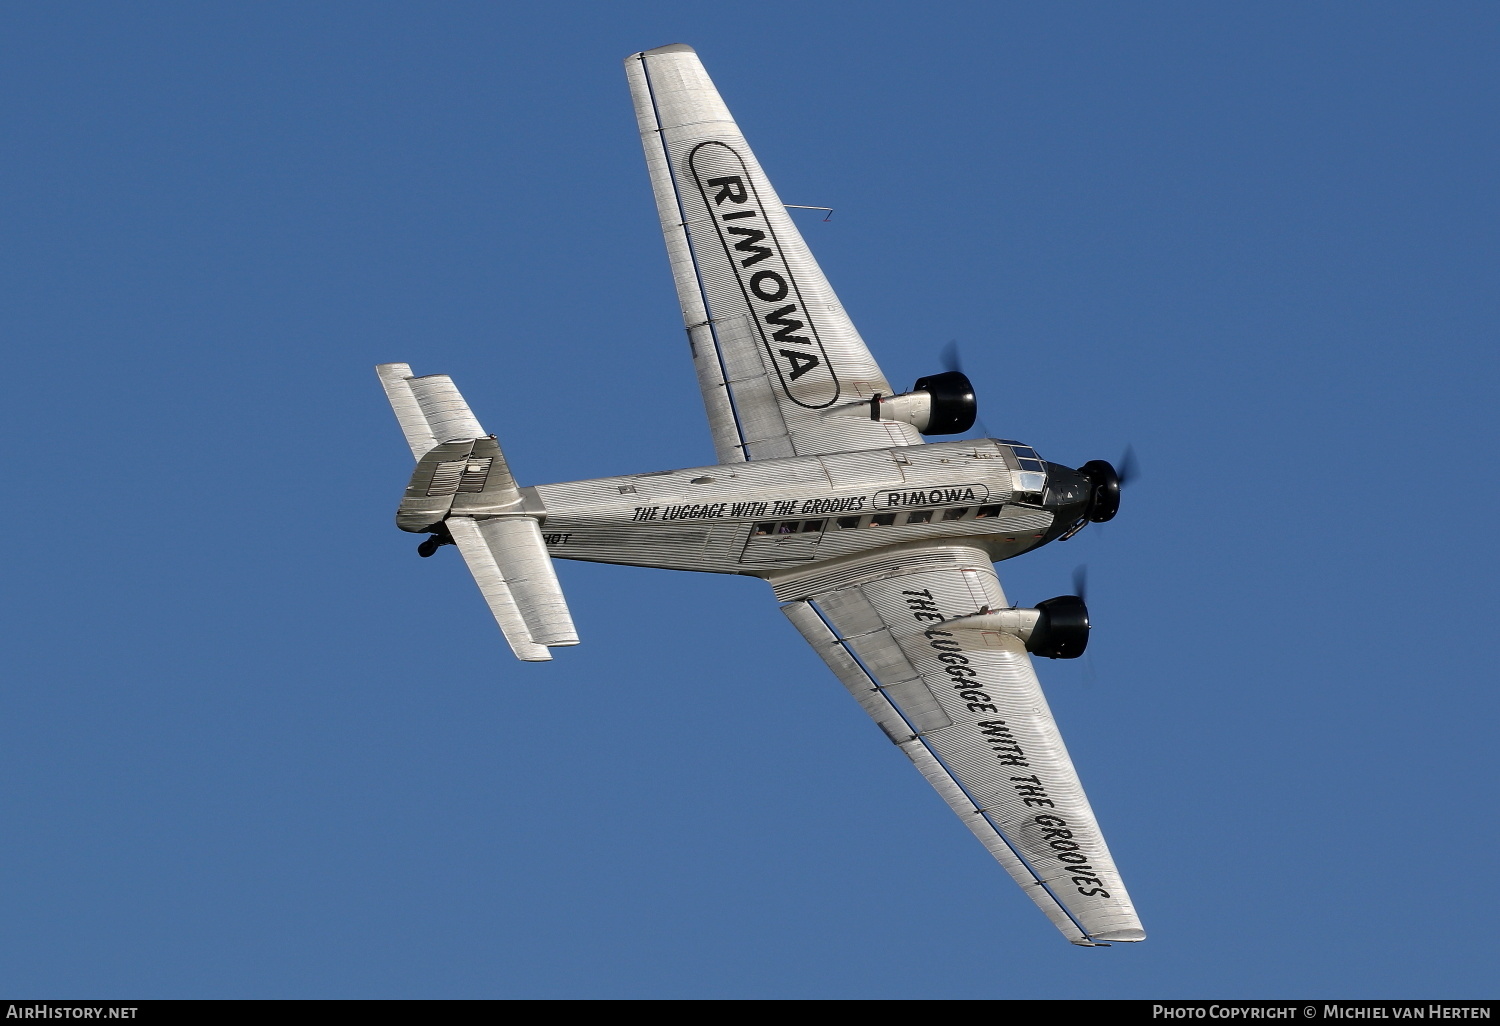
255 747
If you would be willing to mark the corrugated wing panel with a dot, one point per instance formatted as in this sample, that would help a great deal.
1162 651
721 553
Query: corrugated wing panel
395 378
481 563
905 735
445 410
1008 773
518 550
772 345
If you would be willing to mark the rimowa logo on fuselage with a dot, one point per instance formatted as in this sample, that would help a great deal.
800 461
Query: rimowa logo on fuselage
786 329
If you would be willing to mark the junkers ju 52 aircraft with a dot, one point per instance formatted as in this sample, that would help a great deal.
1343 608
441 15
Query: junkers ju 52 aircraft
879 547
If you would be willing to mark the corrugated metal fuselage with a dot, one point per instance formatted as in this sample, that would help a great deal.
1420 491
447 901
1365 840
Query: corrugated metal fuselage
773 515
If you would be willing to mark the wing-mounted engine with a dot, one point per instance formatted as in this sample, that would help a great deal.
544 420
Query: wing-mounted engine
1057 628
939 404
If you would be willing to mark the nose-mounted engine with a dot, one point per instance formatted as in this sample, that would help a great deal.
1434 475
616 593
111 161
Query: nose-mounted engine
1104 496
1077 498
939 404
1057 628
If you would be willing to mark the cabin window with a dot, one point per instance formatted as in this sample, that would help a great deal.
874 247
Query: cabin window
787 527
987 511
882 520
847 522
955 513
812 525
764 529
921 516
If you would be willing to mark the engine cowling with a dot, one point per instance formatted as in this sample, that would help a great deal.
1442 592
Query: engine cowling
1104 499
1057 628
1062 629
939 404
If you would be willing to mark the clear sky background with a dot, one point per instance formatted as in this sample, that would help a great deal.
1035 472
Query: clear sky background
255 747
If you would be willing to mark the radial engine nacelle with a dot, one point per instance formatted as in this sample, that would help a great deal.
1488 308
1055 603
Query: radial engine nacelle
939 404
1057 628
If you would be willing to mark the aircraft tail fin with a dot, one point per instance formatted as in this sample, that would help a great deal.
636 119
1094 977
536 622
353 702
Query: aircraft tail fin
462 491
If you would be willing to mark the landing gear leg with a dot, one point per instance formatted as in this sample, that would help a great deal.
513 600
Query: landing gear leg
440 537
1082 523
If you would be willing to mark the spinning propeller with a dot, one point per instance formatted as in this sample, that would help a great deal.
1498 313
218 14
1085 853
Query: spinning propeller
1106 482
952 363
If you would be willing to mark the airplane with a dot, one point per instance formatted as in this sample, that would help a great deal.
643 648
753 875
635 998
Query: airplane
879 545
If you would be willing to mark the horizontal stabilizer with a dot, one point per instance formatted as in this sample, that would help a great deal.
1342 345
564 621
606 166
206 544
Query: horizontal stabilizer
396 379
476 552
429 409
508 559
447 415
463 483
516 543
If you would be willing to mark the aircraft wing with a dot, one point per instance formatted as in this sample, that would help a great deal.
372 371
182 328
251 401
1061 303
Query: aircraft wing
781 368
970 713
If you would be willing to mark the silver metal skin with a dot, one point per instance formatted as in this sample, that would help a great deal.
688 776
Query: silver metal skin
462 486
914 408
1018 623
879 547
772 345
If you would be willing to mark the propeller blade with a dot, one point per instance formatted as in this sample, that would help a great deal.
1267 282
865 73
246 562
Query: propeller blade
950 357
1130 467
950 360
1081 589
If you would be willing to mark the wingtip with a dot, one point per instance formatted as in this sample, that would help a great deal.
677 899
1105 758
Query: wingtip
1126 936
669 48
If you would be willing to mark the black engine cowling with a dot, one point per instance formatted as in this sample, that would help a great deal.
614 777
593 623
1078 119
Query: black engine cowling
954 407
1104 502
1062 630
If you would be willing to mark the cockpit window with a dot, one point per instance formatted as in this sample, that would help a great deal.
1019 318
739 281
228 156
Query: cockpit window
1028 459
1029 486
1031 479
